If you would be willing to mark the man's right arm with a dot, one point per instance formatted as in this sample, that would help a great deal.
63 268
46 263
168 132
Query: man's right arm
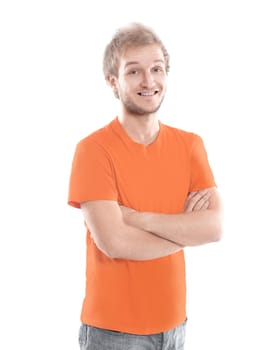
116 239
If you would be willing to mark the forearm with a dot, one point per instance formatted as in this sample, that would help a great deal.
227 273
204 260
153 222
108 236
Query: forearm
187 229
115 238
136 244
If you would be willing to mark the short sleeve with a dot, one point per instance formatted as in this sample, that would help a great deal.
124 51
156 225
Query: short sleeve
91 175
201 173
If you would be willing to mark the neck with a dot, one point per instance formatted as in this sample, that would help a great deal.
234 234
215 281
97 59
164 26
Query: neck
141 128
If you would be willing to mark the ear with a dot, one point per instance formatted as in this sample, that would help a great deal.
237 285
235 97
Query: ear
112 81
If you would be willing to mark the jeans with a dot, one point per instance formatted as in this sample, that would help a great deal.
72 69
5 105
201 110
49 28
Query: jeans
92 338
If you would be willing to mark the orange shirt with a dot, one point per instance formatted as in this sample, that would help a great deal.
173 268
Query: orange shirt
140 297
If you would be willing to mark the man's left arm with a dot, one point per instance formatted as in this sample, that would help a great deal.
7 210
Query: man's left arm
200 222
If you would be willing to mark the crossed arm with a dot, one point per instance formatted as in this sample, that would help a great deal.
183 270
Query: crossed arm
121 232
200 223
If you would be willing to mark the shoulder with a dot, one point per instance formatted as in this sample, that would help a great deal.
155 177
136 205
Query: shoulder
99 137
188 138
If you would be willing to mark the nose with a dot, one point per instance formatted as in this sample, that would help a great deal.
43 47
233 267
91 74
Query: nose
147 79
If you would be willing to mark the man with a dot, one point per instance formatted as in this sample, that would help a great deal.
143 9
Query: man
146 191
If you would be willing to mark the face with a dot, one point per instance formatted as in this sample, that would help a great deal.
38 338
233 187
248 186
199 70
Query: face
141 82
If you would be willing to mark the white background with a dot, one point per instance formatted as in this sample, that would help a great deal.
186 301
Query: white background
53 94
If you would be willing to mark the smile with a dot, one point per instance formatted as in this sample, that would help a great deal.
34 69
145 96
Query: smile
148 93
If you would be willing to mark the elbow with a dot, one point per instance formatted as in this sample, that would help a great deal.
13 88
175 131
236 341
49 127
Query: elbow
110 241
117 249
217 235
213 222
111 252
109 247
217 231
217 224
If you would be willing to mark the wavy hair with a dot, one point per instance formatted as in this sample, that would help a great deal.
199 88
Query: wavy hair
135 34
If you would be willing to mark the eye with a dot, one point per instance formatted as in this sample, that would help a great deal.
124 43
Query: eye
157 69
133 72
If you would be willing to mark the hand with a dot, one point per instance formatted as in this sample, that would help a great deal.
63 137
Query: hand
198 200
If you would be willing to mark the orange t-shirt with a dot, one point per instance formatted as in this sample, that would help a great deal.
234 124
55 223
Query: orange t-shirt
140 297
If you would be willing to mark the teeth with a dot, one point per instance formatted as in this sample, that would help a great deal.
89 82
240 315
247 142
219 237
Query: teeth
148 93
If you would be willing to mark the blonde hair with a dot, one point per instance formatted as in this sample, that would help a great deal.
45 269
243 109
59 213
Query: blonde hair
135 34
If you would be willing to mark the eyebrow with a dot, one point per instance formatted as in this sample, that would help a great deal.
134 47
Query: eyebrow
136 62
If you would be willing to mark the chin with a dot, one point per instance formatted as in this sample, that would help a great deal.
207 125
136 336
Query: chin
135 109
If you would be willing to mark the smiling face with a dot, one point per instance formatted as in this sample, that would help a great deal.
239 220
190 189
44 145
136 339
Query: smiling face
141 81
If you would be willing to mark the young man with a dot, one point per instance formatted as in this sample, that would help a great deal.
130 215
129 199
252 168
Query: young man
146 191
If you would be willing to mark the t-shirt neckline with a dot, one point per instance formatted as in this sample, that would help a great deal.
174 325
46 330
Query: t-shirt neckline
120 130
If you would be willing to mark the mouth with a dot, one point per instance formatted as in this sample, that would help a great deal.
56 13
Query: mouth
148 93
